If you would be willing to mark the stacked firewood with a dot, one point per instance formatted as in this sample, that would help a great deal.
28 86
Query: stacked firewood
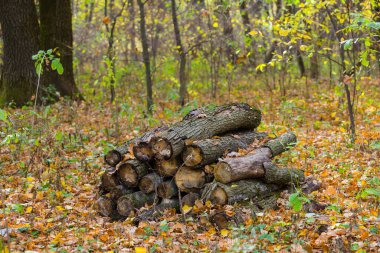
170 167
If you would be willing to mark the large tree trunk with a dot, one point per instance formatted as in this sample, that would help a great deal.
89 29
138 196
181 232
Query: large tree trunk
182 56
146 58
223 194
204 123
207 151
56 32
251 166
19 25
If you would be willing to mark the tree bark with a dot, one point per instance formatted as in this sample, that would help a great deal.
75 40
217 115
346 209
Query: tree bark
223 194
106 207
190 180
108 181
142 148
150 182
19 24
56 32
251 166
205 123
182 56
156 211
280 176
207 151
146 58
127 203
131 171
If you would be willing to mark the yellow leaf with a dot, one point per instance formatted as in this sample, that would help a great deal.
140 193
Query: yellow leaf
284 32
253 33
216 25
140 250
303 48
60 208
30 179
186 209
29 209
224 232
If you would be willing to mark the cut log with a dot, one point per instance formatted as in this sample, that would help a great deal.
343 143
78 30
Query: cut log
189 199
131 171
142 148
167 189
282 176
167 168
207 151
108 181
106 207
223 194
149 183
207 123
119 191
156 211
190 180
115 156
251 166
127 203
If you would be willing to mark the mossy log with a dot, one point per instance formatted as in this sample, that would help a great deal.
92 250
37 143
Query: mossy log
223 194
251 166
149 182
190 180
282 176
167 189
130 172
106 207
120 190
207 151
205 124
167 168
156 211
127 203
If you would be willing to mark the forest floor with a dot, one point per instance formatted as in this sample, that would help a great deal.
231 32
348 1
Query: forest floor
50 172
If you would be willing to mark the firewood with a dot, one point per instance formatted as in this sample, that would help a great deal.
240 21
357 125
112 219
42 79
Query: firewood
127 203
282 176
167 168
190 180
108 181
189 199
142 148
157 210
207 151
251 166
223 194
131 171
167 189
207 123
106 207
149 182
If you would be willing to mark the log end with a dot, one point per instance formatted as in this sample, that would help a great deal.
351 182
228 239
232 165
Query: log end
124 206
113 157
222 172
108 181
167 189
189 199
190 180
167 168
128 175
218 196
192 156
143 152
105 206
162 149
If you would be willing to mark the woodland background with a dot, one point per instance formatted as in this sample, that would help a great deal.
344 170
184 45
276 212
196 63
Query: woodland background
311 67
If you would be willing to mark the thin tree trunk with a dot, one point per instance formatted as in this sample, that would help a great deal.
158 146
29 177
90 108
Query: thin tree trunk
19 25
144 42
182 56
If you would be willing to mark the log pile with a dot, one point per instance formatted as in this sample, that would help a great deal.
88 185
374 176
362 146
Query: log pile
195 159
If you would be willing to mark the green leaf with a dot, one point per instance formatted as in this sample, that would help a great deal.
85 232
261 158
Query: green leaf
371 191
60 69
364 60
347 44
4 116
39 69
59 136
295 202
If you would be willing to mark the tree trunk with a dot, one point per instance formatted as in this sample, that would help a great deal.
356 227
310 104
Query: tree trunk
182 56
204 124
190 180
19 24
106 207
279 176
146 58
207 151
131 171
251 166
136 200
149 183
142 148
56 32
223 194
301 64
108 181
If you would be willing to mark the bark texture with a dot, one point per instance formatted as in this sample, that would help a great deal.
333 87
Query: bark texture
149 183
281 176
203 124
207 151
127 203
156 211
19 25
